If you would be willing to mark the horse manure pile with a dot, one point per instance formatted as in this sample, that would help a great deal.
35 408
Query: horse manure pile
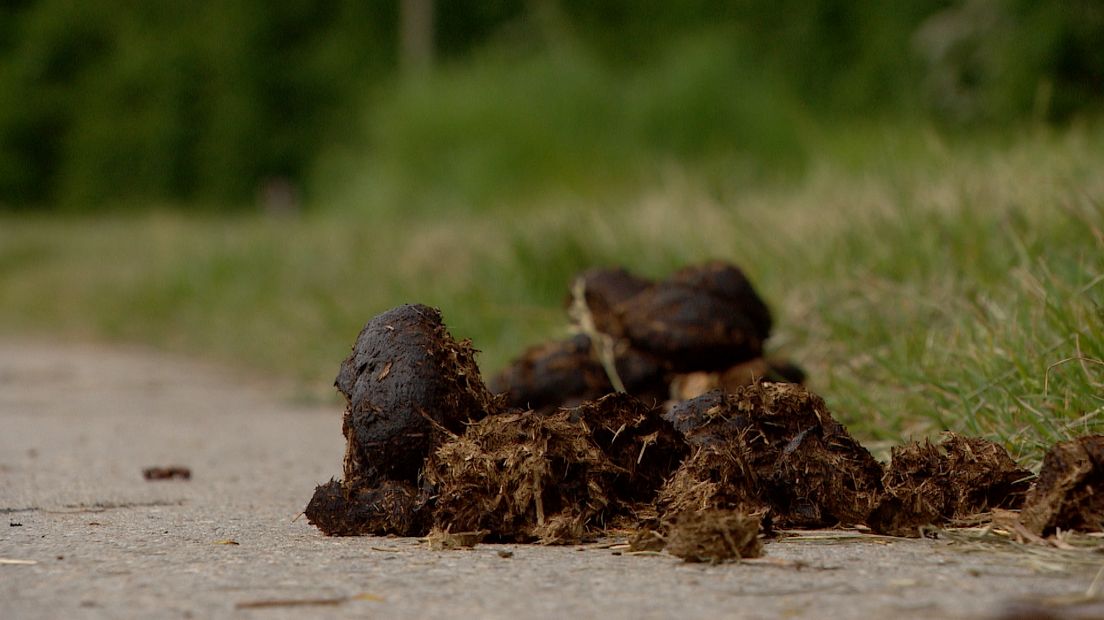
386 507
1066 497
938 485
700 329
408 387
554 478
661 419
774 448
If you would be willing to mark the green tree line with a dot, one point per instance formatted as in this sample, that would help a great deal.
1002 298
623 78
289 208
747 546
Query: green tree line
109 103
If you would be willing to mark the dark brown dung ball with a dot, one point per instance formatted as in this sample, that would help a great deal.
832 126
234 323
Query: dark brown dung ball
706 317
605 291
927 484
551 374
1066 495
565 373
728 282
774 445
406 380
391 507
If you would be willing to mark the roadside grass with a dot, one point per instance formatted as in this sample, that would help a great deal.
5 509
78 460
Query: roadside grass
925 284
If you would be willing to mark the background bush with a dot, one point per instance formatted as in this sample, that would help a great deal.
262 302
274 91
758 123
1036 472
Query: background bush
108 104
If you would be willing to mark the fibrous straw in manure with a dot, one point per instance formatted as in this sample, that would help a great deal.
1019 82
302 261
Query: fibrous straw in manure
430 447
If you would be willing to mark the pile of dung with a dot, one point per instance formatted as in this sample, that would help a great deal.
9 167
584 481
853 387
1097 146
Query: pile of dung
522 477
705 317
388 507
702 328
566 373
662 419
636 438
927 484
557 477
408 386
1067 495
774 448
714 536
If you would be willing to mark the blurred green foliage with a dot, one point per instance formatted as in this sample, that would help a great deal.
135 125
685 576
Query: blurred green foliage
131 103
198 101
480 135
